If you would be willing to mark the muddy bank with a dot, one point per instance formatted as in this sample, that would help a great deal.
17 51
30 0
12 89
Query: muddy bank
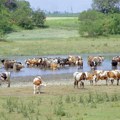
58 79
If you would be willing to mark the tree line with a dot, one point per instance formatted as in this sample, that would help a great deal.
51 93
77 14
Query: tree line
103 19
15 13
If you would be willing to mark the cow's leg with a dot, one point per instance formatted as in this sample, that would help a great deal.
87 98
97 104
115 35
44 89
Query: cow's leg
106 82
82 84
117 81
8 83
91 82
8 80
39 89
96 82
112 81
75 83
34 88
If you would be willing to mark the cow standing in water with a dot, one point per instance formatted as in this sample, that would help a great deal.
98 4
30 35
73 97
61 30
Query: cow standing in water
5 77
93 65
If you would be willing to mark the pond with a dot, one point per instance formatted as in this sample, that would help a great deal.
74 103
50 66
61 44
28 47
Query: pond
106 65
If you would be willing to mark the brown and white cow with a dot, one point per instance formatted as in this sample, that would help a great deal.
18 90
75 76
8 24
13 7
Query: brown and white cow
54 66
116 58
18 66
110 75
38 84
98 59
90 77
33 62
114 75
82 77
75 60
12 64
5 77
79 77
101 75
8 63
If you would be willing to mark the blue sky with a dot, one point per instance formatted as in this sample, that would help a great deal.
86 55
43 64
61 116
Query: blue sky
61 5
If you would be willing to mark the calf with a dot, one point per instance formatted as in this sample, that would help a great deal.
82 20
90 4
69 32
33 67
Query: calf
5 77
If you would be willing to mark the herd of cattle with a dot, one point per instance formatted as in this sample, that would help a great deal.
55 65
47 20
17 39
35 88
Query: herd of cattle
57 63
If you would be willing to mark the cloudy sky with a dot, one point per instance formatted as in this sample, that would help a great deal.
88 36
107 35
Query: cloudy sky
61 5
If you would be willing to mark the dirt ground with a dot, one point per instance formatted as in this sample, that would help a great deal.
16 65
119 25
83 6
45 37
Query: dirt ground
55 85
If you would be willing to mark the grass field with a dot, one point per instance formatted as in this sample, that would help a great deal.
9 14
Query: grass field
61 103
61 37
59 46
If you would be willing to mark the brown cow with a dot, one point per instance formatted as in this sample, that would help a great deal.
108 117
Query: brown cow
8 63
90 77
38 83
114 75
101 75
12 64
107 75
97 59
54 66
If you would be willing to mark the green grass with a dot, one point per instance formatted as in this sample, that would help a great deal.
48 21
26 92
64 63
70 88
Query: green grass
69 23
59 47
63 107
43 34
61 37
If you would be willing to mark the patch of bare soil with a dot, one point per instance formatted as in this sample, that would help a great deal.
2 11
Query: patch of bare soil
56 85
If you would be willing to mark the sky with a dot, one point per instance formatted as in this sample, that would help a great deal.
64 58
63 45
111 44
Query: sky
61 5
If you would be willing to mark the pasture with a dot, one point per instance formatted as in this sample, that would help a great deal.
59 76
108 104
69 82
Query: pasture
61 37
61 102
58 102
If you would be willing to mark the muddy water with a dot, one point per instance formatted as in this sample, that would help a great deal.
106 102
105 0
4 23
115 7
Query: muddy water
106 65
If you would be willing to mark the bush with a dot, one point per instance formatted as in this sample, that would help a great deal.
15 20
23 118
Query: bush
38 18
93 23
90 23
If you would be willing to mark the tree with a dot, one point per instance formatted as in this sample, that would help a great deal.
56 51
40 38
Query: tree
115 23
5 24
106 6
22 16
91 23
11 4
38 18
